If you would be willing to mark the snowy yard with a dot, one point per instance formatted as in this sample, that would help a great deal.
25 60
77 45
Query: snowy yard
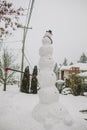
16 109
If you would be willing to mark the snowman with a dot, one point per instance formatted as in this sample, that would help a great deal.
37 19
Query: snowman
49 112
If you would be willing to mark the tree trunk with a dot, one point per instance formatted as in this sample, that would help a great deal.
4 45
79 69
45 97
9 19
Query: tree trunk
4 89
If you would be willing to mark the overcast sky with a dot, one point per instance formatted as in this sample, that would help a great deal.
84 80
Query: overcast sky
68 21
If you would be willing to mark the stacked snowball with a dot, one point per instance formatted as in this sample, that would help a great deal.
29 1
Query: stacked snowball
48 111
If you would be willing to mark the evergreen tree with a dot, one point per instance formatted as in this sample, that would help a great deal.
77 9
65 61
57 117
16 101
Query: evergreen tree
34 81
35 71
55 68
83 58
71 63
26 81
65 62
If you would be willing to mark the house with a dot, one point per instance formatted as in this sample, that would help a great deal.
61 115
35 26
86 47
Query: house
65 71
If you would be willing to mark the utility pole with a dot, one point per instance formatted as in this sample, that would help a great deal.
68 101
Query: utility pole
26 27
1 41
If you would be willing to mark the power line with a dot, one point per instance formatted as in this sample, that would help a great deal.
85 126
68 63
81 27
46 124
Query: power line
12 41
30 8
30 58
28 61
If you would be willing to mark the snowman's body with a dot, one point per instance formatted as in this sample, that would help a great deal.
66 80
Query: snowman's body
49 112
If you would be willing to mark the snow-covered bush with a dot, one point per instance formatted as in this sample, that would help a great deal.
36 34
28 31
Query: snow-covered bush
76 85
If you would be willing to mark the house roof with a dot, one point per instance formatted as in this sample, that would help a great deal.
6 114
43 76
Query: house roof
82 66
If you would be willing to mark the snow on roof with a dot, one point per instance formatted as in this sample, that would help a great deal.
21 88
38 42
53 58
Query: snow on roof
83 74
82 66
65 67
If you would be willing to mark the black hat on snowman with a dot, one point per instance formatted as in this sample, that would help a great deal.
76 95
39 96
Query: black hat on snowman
49 34
49 31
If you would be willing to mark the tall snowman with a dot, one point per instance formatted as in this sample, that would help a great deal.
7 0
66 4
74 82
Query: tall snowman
49 112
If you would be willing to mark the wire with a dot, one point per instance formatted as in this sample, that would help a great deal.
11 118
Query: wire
30 58
27 61
12 41
30 7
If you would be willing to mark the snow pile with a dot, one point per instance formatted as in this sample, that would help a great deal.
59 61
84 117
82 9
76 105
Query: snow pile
49 111
16 109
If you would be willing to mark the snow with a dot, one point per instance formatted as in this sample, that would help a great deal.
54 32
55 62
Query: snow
46 63
16 110
46 111
83 74
60 81
44 51
46 75
82 66
50 93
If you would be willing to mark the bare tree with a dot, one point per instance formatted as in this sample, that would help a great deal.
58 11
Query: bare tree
7 60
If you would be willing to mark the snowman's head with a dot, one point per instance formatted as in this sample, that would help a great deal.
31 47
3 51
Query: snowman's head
50 32
48 95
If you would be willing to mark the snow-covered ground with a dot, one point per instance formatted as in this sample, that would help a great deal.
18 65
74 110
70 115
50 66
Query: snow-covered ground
16 109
